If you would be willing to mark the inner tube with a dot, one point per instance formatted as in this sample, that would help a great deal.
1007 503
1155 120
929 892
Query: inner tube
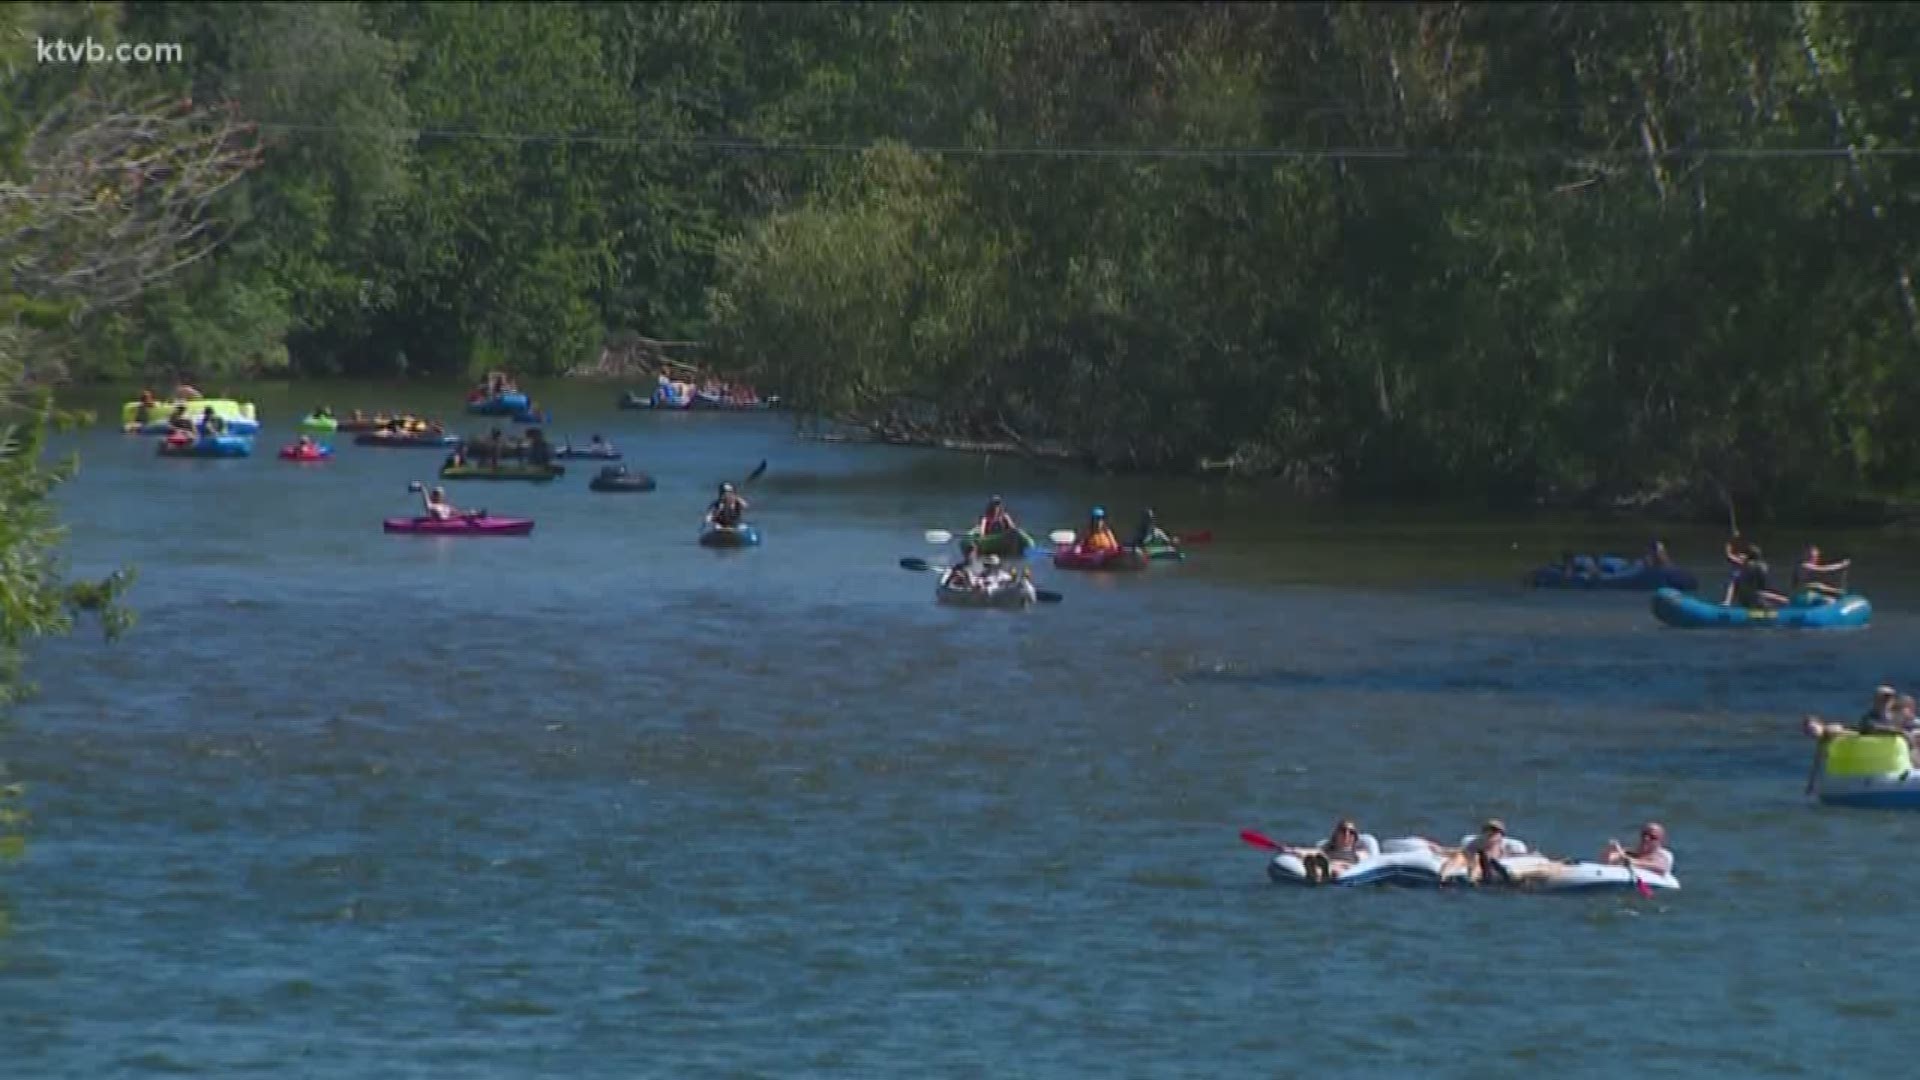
620 480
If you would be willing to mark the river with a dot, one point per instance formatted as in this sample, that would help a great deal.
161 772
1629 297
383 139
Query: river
600 802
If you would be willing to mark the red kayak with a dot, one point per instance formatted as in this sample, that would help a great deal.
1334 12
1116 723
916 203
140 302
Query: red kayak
471 525
1123 559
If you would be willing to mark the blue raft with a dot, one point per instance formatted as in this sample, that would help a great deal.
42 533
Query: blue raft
1806 612
511 403
1614 572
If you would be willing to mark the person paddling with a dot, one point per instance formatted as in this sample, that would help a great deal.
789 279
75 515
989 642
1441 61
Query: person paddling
1149 533
1650 854
995 519
963 575
726 511
438 508
1806 576
1099 535
1748 586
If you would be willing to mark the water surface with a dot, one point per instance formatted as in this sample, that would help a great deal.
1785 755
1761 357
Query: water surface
600 802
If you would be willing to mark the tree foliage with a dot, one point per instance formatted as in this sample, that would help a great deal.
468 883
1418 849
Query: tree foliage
1432 247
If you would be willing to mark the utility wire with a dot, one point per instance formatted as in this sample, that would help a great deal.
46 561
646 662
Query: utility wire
735 144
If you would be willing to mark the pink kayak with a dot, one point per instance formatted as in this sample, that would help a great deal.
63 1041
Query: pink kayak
475 525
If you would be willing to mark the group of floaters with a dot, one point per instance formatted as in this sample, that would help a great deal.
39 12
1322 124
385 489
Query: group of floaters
1815 601
1872 762
1489 858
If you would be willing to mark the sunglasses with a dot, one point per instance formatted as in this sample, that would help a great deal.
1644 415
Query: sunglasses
1345 829
1649 834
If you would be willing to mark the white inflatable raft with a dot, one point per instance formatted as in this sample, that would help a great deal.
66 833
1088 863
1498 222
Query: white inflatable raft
1016 593
1537 873
1407 861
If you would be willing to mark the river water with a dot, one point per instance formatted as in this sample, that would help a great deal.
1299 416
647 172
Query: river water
602 803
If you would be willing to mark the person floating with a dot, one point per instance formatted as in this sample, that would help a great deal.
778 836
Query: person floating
1345 844
1650 854
180 421
210 425
1806 576
1099 535
727 510
1479 855
1657 556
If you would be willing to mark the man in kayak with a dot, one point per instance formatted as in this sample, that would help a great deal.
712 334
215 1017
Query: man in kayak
438 508
995 519
1099 536
1650 854
1149 534
726 511
1346 844
1806 576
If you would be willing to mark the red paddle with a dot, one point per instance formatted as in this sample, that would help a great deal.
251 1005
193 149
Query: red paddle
1259 841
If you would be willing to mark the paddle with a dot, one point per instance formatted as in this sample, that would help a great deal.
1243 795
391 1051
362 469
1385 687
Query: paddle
1260 841
1044 596
1626 860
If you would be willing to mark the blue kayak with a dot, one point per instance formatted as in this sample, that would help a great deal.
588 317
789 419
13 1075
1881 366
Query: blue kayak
1806 612
1614 572
741 536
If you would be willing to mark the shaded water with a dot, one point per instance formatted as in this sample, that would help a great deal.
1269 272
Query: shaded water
600 802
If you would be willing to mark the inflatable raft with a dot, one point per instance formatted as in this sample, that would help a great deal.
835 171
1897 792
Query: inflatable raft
225 408
1408 862
316 452
613 478
1008 544
510 403
470 525
405 442
1537 873
535 473
1018 593
1614 572
1126 558
1806 612
211 446
1869 771
740 536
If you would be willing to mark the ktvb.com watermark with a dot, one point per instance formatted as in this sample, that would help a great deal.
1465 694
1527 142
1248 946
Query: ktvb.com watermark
89 51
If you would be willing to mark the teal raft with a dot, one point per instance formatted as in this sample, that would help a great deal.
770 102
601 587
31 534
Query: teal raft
1808 611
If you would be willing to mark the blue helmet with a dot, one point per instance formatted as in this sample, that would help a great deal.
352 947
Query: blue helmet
1099 511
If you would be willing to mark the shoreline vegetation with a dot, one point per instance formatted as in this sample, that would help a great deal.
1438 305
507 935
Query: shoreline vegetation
1645 259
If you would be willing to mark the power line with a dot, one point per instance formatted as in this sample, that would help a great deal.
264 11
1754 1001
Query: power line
735 144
